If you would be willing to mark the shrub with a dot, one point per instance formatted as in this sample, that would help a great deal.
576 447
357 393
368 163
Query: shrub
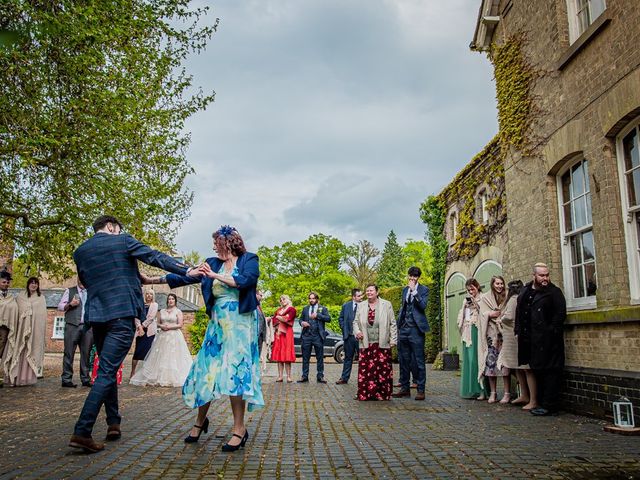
197 330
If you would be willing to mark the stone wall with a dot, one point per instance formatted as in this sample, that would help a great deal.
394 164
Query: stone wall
583 95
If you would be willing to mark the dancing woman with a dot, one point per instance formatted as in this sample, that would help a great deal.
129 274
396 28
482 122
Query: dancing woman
228 362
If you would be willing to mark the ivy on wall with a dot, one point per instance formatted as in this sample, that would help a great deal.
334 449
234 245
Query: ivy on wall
514 78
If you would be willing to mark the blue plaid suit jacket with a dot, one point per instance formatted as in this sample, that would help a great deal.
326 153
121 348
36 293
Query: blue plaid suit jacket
108 267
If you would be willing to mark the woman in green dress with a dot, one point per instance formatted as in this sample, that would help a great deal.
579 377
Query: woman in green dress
468 326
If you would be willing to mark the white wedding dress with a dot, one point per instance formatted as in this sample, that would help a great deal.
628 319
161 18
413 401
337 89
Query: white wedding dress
168 362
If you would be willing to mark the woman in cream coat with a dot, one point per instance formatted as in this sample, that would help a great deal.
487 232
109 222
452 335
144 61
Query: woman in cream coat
375 328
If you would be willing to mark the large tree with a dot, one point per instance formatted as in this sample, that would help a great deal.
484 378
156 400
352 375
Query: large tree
362 263
391 271
418 253
93 101
296 269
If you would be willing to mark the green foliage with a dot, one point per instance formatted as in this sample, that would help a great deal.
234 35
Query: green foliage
197 330
296 269
432 214
418 253
513 78
362 263
394 295
392 271
93 104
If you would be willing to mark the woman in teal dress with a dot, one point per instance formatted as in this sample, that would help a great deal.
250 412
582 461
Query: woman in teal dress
228 362
470 387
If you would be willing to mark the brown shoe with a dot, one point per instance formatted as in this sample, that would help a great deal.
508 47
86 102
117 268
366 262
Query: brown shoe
113 432
341 382
85 443
419 396
414 385
401 393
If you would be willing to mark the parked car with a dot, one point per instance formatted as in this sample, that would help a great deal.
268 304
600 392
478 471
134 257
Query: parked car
333 344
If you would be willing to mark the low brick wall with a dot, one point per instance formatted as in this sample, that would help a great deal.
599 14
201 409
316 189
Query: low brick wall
590 391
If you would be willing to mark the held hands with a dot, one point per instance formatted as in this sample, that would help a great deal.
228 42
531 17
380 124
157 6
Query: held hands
197 271
140 331
494 314
205 269
74 303
359 335
305 324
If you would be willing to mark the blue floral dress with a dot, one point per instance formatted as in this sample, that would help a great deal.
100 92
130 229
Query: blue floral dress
228 362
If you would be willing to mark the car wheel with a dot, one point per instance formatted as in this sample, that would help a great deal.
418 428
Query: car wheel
339 354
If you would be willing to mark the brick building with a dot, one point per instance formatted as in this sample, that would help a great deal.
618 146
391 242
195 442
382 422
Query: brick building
572 177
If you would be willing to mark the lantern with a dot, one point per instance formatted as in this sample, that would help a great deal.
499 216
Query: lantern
623 413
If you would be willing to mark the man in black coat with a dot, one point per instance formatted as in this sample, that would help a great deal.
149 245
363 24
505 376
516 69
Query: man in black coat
540 315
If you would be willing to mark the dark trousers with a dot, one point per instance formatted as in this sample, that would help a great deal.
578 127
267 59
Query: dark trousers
316 342
113 341
411 344
549 383
76 336
4 334
350 349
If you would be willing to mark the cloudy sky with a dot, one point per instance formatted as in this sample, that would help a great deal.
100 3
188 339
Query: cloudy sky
333 116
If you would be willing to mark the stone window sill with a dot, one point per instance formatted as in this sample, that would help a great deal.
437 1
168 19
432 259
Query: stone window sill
583 40
611 315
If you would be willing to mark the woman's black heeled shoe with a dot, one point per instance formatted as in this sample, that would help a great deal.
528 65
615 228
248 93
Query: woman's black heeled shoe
232 448
202 429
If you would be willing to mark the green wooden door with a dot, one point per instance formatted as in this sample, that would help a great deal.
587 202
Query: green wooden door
454 293
485 271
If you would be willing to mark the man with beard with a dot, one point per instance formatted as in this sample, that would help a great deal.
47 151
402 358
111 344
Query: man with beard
540 315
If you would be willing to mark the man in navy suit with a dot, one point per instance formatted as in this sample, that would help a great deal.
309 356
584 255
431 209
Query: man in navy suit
107 265
347 314
312 320
412 327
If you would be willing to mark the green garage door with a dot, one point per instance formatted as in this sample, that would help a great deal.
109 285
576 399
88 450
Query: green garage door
485 271
454 293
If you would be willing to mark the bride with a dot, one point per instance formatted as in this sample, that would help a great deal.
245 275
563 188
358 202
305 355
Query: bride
168 362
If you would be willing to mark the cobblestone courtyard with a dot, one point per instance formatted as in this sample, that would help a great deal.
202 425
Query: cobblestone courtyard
309 431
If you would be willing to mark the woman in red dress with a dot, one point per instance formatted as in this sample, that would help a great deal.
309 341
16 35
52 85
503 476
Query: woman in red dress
283 350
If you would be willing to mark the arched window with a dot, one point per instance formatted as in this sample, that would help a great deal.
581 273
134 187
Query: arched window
628 149
578 249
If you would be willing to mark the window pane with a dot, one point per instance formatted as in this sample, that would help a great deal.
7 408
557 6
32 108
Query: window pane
588 199
636 186
631 153
597 7
578 282
566 187
576 250
580 211
638 229
577 180
590 274
588 252
568 226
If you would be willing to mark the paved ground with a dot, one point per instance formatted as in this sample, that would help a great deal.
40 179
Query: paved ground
309 431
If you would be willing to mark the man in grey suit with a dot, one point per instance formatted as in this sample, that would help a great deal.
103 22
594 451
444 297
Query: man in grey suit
312 320
107 266
347 314
76 334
